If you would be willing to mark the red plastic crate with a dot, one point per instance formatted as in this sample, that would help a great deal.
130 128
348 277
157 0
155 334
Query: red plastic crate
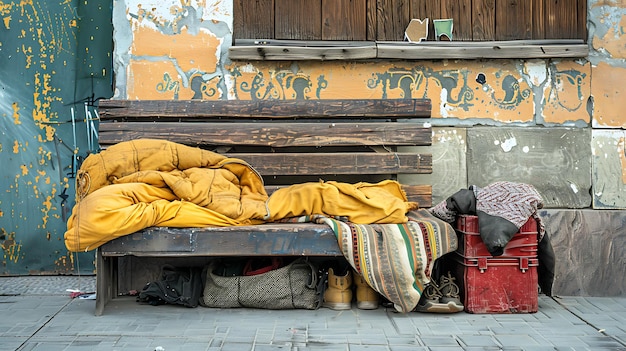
498 285
522 244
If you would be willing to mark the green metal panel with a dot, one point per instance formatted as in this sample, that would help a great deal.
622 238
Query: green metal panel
55 61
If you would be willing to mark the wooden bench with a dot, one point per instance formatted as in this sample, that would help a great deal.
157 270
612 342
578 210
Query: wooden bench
287 142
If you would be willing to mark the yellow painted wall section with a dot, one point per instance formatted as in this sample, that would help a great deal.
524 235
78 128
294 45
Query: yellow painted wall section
609 96
163 63
613 41
190 51
501 90
156 81
496 90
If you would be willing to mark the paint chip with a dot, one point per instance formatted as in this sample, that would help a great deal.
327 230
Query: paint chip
508 144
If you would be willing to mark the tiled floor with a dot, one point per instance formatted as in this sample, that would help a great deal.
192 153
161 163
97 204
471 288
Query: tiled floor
38 314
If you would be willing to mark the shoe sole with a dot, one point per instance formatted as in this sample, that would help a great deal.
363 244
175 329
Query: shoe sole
337 305
367 305
436 307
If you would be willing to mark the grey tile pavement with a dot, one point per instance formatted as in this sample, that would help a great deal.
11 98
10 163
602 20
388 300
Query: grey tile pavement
36 313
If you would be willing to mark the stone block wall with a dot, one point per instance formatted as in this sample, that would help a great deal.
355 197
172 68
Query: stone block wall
589 241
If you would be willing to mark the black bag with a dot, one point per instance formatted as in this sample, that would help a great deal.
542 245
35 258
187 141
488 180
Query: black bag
178 286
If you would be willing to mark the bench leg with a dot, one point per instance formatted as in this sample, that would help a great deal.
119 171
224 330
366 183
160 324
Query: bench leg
104 282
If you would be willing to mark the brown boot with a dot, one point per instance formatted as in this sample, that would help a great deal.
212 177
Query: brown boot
338 294
366 297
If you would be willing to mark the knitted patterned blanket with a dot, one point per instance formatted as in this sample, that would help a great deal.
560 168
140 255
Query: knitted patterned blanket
514 202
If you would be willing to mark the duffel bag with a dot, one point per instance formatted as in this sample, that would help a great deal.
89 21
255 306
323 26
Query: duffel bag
293 286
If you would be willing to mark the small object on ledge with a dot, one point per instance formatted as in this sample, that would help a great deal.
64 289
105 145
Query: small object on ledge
417 30
443 29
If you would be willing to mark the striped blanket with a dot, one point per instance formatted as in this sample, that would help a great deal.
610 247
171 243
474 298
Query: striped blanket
396 260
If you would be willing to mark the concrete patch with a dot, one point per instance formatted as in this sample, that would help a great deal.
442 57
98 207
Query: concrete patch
589 247
449 163
556 161
609 169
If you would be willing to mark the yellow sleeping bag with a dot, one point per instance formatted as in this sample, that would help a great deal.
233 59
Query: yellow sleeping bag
142 183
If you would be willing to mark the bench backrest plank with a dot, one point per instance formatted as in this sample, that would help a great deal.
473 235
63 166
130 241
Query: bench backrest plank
278 134
273 164
260 109
290 141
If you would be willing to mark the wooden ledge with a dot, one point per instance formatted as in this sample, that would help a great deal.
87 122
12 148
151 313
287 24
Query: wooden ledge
266 50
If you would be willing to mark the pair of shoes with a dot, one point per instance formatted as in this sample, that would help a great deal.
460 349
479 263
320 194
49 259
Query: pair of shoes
338 295
366 297
440 298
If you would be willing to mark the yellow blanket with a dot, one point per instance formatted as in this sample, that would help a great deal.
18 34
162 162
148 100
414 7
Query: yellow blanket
142 183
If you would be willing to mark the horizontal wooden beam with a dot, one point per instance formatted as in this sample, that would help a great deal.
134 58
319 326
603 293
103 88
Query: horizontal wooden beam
304 43
263 109
294 134
325 53
276 164
417 51
427 50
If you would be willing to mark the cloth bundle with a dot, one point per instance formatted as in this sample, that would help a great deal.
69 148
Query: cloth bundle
502 208
142 183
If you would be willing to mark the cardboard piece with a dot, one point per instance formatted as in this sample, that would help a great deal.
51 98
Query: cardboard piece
417 30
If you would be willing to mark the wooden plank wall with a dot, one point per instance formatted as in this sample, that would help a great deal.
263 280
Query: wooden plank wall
483 19
385 20
461 13
253 19
557 14
348 17
298 19
513 20
392 17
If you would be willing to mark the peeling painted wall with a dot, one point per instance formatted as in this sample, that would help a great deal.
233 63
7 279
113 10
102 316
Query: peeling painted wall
178 49
44 64
190 61
607 25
